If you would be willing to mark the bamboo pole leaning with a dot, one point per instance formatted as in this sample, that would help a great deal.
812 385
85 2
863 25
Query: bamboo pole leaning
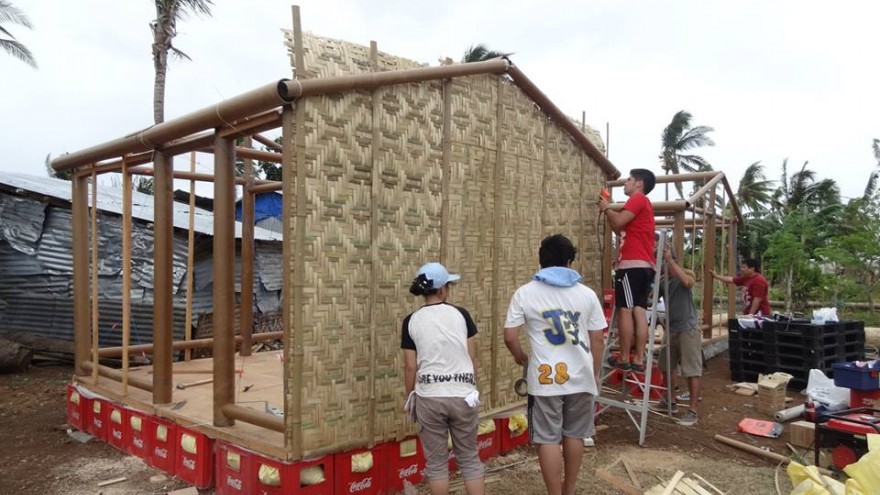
127 186
94 271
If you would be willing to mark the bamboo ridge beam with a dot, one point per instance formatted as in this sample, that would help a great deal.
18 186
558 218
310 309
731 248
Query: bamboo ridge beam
179 345
562 120
228 111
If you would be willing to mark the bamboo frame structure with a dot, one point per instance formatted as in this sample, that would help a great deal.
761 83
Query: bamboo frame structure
283 103
671 215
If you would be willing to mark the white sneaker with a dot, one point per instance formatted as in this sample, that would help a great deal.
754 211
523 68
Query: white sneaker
589 442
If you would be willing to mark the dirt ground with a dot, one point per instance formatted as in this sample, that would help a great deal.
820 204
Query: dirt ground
39 456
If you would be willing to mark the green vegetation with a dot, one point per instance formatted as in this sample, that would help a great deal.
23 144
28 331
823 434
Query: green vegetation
10 14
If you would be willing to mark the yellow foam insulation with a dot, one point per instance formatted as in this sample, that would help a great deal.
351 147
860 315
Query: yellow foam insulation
408 448
135 422
518 424
233 460
116 416
162 433
96 407
486 426
188 444
361 463
269 476
311 476
74 397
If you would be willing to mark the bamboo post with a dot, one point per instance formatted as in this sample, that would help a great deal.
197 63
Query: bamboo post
127 186
94 271
607 242
498 173
294 415
163 255
190 258
709 263
731 264
375 272
288 172
678 235
246 312
81 323
224 278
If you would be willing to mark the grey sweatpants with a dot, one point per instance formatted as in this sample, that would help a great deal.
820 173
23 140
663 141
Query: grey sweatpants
442 416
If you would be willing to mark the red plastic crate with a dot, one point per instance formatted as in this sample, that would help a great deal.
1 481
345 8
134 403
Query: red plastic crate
489 444
658 384
194 458
161 444
235 470
509 441
409 468
323 488
96 418
275 477
369 482
75 410
116 426
864 398
136 427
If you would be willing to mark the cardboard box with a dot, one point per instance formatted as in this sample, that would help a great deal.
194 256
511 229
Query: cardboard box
802 433
771 392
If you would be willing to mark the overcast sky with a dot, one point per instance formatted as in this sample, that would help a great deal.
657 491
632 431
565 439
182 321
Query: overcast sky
775 79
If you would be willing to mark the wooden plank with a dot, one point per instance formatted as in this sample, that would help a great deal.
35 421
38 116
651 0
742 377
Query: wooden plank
694 485
112 482
632 474
672 483
710 485
685 488
618 483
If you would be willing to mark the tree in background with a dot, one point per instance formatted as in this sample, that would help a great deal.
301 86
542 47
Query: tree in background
262 169
9 13
63 174
481 52
677 138
872 187
164 28
753 197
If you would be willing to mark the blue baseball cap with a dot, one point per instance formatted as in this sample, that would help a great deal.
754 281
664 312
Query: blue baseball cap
438 275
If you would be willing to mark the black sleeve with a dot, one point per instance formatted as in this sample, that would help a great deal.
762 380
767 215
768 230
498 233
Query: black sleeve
471 326
406 342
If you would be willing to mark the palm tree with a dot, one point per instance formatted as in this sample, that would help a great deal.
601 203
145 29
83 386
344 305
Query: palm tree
679 136
481 52
164 28
754 191
872 187
9 13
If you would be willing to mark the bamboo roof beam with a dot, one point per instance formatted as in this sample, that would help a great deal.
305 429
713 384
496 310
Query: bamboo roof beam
267 142
660 207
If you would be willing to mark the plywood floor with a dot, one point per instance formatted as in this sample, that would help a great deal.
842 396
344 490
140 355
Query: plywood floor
261 373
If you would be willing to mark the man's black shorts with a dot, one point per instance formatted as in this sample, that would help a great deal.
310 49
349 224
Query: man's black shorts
632 286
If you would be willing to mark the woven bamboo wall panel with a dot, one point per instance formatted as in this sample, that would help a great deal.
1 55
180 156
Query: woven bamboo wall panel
471 197
378 202
328 57
409 203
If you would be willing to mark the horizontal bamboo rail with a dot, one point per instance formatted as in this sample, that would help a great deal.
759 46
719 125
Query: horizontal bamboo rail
116 375
266 420
112 352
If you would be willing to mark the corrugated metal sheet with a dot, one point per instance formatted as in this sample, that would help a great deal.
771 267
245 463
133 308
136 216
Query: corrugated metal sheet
110 200
36 275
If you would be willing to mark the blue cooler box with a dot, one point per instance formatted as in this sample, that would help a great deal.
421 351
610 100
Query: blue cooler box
853 377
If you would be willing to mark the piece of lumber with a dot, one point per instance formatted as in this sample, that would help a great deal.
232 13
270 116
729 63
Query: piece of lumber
684 488
618 483
632 474
112 482
673 483
695 486
762 453
710 485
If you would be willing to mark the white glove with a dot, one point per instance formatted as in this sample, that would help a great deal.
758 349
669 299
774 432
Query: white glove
473 398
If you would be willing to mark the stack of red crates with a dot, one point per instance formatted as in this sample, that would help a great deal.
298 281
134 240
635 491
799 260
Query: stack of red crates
136 428
286 477
161 444
96 418
75 409
235 467
510 440
194 458
368 482
116 428
406 463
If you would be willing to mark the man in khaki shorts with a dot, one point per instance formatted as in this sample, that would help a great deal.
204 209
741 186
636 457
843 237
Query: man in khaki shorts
684 337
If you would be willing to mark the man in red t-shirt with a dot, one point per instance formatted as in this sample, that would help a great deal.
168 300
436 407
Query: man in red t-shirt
634 269
755 287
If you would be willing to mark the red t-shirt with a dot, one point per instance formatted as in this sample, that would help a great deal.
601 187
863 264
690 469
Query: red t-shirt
754 286
637 236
